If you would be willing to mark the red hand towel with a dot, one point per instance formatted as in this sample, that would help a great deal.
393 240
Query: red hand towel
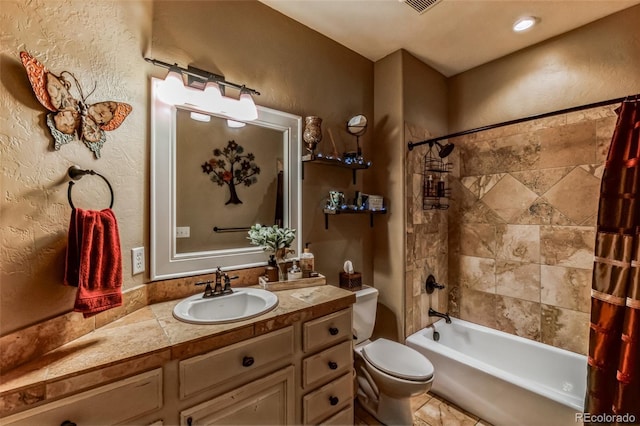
94 261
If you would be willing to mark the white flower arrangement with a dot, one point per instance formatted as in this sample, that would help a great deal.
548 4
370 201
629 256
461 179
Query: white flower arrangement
271 238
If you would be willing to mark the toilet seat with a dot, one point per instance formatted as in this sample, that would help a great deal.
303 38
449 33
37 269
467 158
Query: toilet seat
398 360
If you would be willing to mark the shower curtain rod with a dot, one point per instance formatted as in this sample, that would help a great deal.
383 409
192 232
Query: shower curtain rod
522 120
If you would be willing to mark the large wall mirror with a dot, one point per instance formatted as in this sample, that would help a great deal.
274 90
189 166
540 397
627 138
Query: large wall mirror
211 180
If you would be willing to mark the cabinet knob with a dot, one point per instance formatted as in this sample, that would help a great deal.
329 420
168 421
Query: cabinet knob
333 365
333 400
189 421
333 331
67 423
247 361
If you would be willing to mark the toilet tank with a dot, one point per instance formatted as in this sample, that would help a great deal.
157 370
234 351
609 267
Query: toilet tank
364 313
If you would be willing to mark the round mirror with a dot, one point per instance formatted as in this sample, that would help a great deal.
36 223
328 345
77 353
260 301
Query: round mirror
357 125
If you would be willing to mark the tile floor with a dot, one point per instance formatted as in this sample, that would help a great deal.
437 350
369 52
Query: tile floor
428 410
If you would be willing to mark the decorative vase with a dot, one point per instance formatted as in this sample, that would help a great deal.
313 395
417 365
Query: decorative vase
312 134
281 260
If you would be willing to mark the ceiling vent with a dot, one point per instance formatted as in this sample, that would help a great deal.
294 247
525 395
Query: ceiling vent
421 6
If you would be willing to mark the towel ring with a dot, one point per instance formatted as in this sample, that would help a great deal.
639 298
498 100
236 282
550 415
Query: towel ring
76 173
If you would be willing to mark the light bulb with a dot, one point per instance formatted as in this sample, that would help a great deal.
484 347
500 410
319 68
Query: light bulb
171 89
246 107
212 98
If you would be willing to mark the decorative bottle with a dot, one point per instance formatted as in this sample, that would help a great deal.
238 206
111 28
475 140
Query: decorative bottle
307 262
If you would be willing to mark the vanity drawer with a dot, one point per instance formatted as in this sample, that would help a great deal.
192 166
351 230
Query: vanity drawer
327 400
327 364
205 371
344 417
119 402
327 330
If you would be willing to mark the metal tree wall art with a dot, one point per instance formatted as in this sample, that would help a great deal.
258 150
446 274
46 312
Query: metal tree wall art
71 118
232 167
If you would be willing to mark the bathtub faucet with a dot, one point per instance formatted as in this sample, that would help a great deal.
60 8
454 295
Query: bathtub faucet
434 313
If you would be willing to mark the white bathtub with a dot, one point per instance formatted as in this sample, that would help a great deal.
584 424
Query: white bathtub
502 378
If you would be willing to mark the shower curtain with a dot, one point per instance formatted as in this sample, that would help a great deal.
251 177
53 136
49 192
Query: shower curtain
613 380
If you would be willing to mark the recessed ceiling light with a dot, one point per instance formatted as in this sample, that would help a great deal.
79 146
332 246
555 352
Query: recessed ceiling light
525 23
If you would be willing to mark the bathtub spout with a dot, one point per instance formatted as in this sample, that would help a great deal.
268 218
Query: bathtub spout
434 313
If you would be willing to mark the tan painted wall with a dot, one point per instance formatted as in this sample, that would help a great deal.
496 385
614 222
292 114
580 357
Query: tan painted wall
99 42
406 90
597 62
298 71
387 179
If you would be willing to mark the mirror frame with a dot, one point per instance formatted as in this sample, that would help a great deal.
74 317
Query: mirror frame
165 261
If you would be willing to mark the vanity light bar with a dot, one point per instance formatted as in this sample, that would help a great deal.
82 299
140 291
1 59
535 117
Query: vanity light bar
199 77
205 90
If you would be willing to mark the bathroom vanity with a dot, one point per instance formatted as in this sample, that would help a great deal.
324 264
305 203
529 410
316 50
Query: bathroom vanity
293 365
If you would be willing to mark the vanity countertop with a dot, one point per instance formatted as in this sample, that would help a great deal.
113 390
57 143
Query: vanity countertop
148 338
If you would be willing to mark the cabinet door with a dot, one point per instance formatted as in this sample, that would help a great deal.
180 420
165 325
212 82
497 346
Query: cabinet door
118 402
267 401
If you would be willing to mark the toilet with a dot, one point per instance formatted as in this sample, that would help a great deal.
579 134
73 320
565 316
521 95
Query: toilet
388 373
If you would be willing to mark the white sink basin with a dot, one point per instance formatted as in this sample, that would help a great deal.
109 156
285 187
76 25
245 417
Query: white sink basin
242 304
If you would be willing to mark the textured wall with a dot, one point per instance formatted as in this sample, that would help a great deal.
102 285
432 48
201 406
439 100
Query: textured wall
296 69
522 226
100 43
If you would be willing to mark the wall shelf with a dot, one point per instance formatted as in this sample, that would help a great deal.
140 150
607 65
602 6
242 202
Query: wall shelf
336 162
332 212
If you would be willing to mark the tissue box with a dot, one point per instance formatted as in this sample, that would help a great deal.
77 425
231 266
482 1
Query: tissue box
351 281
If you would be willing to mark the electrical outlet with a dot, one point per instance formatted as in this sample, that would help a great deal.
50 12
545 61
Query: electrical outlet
137 260
183 231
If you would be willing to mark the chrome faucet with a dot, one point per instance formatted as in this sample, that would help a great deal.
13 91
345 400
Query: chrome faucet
434 313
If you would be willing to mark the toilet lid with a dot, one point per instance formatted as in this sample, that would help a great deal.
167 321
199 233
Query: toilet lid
398 360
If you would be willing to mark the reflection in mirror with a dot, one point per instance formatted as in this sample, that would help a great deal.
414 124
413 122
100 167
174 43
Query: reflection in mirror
226 181
207 174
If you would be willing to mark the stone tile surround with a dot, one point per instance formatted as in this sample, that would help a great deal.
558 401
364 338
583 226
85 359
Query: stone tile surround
515 248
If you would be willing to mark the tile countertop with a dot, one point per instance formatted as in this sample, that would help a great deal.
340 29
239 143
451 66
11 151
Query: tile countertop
146 339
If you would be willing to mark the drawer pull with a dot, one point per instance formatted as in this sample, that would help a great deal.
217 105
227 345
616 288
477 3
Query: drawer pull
333 365
333 331
333 400
247 361
189 421
67 423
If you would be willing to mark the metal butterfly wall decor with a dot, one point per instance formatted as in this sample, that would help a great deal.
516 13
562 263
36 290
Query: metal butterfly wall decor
72 118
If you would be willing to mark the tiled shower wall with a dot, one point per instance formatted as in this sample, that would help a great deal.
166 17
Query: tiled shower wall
426 240
521 227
